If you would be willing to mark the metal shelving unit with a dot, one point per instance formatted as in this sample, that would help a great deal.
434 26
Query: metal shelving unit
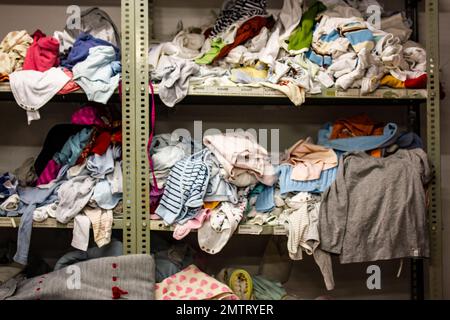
127 221
413 99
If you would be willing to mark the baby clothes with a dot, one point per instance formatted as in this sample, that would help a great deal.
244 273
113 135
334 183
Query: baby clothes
81 50
33 89
74 194
218 189
185 189
215 232
235 10
301 221
80 232
242 159
43 54
13 50
287 184
309 160
99 74
182 230
102 221
192 284
93 21
301 37
73 147
174 74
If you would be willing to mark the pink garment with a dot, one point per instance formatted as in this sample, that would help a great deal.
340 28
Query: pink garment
43 54
50 173
182 230
309 160
87 116
70 86
192 284
241 156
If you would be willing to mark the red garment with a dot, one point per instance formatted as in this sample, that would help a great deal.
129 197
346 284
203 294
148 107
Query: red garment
70 86
246 31
101 143
43 54
116 137
417 83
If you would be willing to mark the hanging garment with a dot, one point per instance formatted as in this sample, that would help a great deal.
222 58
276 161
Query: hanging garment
13 50
379 203
174 74
43 54
33 89
309 160
301 221
99 74
31 199
93 21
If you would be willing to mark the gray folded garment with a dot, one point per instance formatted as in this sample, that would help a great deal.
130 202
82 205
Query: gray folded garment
131 275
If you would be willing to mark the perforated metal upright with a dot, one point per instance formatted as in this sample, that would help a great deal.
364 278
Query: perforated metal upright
434 150
142 112
128 126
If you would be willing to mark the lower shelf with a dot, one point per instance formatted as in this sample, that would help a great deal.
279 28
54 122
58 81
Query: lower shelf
250 229
49 223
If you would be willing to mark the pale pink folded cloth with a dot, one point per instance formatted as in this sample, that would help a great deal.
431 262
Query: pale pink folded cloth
182 230
309 160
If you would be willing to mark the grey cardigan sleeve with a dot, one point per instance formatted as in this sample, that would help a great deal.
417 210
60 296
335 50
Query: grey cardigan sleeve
333 213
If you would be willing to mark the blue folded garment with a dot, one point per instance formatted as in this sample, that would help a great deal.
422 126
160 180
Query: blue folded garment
80 50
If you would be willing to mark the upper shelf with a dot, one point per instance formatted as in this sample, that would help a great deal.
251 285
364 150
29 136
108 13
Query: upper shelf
79 95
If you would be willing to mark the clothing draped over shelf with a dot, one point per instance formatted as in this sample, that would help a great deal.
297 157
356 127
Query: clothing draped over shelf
332 43
39 66
315 192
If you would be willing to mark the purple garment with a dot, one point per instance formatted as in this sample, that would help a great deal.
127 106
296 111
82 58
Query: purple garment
80 49
87 116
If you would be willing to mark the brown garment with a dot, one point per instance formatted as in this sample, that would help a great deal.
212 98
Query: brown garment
356 126
246 31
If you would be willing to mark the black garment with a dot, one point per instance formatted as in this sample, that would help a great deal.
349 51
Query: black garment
55 140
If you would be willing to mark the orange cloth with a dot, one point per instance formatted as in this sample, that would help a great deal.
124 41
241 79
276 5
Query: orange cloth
4 77
211 205
356 126
392 82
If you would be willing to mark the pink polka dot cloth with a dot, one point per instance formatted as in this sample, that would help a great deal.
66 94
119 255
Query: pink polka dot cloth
192 284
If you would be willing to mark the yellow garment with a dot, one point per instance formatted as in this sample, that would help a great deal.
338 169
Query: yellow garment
13 50
392 82
250 74
211 205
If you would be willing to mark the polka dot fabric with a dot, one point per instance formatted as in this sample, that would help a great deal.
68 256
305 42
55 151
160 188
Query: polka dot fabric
192 284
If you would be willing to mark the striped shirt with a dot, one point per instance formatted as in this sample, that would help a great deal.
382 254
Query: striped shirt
185 189
235 10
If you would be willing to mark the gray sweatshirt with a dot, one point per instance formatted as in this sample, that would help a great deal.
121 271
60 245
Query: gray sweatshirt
376 207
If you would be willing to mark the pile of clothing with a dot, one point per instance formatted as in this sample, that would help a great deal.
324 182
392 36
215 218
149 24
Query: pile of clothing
363 180
332 43
39 66
77 176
